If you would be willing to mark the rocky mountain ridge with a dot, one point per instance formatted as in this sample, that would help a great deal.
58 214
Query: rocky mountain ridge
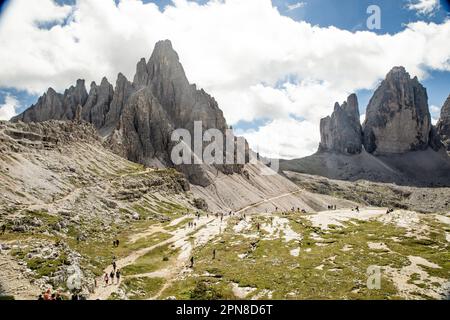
396 143
137 118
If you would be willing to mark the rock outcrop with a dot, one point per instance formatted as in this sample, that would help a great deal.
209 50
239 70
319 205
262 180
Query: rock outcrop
137 119
443 126
98 102
53 105
342 131
400 143
397 117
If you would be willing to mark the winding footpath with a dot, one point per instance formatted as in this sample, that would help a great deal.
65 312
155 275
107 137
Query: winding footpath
184 238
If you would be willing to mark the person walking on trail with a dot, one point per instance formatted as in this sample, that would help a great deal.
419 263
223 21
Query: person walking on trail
114 265
118 276
106 278
112 275
357 209
192 262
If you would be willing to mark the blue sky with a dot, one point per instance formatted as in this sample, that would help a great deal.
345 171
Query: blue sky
348 15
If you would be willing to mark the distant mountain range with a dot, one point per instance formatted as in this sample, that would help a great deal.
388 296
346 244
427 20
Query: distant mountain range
396 143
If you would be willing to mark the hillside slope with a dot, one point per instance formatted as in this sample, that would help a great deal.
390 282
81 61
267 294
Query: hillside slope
64 198
418 168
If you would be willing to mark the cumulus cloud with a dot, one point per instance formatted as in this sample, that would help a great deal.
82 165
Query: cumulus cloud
8 109
256 62
424 7
271 141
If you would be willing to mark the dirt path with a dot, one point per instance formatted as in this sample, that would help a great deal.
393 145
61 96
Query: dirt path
180 236
268 200
207 229
148 170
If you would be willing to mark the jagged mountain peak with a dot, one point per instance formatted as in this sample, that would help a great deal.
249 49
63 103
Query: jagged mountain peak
164 48
164 66
51 92
104 82
138 118
398 119
341 132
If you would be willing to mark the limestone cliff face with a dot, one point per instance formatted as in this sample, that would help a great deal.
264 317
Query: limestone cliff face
53 105
137 118
341 132
397 117
443 126
397 121
184 104
98 103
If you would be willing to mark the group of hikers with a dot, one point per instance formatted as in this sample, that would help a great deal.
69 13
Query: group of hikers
114 274
192 224
332 207
293 210
49 296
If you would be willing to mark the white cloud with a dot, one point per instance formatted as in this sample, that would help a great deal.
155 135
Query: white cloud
254 61
295 6
362 118
424 7
284 138
435 114
8 109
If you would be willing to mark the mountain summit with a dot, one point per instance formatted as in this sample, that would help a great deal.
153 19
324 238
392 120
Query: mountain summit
397 118
137 118
397 142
